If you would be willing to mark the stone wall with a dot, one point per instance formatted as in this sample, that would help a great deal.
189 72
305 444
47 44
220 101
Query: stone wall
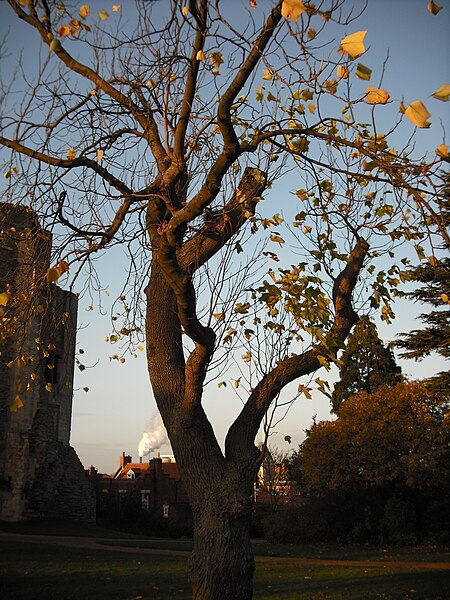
39 472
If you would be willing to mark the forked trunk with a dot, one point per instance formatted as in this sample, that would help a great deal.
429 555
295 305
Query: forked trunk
219 489
222 564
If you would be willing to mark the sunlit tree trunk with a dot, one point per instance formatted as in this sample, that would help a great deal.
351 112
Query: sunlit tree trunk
222 563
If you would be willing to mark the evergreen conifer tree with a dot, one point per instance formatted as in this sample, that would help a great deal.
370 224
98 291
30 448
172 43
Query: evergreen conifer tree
435 335
366 364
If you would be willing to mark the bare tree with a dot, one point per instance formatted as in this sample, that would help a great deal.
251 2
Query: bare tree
163 133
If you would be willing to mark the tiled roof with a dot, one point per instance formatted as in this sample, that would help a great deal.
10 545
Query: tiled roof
139 469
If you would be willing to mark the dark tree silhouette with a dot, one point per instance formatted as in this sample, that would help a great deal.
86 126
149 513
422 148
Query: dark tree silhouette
366 364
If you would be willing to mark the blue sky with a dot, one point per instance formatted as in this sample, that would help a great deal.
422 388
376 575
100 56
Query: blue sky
112 415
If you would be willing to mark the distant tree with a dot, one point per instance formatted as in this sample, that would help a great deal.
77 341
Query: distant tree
390 449
366 364
435 335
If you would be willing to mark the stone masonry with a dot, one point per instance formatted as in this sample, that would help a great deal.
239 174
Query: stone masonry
40 473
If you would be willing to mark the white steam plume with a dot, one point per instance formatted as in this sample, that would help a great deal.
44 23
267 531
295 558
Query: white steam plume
154 436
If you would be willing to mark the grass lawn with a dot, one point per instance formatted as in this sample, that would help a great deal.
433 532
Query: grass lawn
43 572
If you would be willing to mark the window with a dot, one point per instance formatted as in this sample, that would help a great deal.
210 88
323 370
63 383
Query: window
131 474
166 511
145 499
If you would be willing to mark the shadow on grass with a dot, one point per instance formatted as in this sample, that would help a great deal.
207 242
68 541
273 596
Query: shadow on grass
42 572
286 582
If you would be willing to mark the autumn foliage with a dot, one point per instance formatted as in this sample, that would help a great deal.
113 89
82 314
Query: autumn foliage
386 459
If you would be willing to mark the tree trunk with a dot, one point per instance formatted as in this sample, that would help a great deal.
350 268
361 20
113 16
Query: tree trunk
219 490
222 564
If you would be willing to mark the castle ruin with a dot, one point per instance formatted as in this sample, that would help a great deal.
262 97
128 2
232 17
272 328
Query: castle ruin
40 473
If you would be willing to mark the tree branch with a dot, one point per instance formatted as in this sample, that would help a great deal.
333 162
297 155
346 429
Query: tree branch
231 149
244 429
146 121
216 233
66 163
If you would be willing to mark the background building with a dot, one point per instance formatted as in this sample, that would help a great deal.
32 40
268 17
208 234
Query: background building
40 473
153 486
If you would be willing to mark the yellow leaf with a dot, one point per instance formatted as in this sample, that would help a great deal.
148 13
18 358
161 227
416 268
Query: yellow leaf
216 59
363 72
16 404
368 165
302 389
74 26
442 151
71 154
342 72
442 93
277 238
292 9
100 154
268 75
312 108
418 114
49 387
84 11
55 46
434 8
116 8
63 30
103 15
5 297
353 44
62 267
219 316
376 96
331 85
444 298
52 275
200 55
185 11
299 145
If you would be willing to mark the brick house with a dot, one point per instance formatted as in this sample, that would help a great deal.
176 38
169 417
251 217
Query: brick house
154 485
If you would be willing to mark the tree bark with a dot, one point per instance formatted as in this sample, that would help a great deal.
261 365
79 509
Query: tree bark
222 564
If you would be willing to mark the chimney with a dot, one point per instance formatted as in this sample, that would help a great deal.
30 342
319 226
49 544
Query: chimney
124 460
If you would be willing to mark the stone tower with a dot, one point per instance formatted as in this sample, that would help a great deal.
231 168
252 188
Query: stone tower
40 473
